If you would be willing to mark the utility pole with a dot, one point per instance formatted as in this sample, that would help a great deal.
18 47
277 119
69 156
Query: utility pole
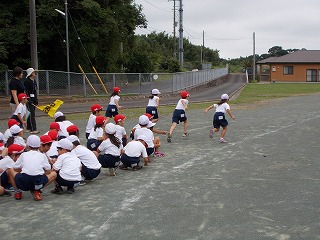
33 34
254 58
174 30
202 48
181 34
67 43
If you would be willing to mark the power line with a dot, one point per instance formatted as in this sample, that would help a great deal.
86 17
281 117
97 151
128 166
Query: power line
165 10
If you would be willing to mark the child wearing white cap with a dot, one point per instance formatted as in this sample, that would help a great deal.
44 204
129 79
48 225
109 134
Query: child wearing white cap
219 118
90 165
31 171
132 152
153 104
109 150
61 119
68 168
144 130
17 134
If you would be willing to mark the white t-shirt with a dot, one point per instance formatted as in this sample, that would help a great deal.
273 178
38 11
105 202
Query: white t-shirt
153 102
32 163
148 133
87 157
112 102
120 132
63 128
69 165
106 147
222 108
135 149
53 151
180 105
6 135
95 134
22 109
6 163
19 140
91 123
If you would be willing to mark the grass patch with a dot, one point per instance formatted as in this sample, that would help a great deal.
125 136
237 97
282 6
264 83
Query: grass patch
261 92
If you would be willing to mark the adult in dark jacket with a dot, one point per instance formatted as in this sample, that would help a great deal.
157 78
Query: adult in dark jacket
16 87
31 90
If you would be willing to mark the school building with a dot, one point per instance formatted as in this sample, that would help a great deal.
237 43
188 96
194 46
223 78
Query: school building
299 66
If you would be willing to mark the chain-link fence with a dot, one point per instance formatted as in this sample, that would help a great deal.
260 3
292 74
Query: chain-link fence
77 84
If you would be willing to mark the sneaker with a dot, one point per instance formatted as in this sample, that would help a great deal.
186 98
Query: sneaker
57 190
222 140
136 168
82 183
9 188
6 194
169 136
112 173
123 167
211 133
34 132
36 195
18 195
28 130
70 190
185 135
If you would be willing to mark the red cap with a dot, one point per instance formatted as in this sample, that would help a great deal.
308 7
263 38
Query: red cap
116 89
184 94
119 118
148 115
96 107
53 134
72 128
15 148
22 96
12 122
45 139
100 120
55 125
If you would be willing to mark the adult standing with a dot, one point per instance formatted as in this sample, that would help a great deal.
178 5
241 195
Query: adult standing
31 90
16 87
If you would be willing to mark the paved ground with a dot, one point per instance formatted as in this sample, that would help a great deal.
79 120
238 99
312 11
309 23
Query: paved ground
262 184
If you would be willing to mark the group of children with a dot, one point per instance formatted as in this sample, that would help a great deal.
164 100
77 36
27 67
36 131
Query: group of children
58 156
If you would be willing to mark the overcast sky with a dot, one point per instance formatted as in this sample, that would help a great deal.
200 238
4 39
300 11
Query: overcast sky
229 24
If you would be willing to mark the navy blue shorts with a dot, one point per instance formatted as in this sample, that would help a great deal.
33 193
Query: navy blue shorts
18 120
109 161
153 111
66 183
111 111
129 161
26 182
179 116
4 179
219 120
93 144
150 151
88 173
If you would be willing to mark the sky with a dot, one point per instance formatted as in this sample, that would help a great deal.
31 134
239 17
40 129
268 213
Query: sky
229 25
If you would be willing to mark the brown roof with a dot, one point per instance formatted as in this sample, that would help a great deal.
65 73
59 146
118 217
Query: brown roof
301 56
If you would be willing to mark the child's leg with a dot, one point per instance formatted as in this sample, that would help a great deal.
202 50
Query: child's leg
223 132
11 174
185 126
173 126
51 177
157 144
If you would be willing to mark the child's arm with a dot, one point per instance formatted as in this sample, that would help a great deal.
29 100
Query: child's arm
117 104
208 108
230 114
21 119
184 104
157 102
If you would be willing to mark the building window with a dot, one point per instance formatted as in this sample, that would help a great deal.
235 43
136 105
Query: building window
288 70
311 75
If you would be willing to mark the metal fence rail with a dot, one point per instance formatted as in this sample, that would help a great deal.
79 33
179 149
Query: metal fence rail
58 83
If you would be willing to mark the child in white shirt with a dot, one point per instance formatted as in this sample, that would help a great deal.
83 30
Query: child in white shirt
95 111
20 114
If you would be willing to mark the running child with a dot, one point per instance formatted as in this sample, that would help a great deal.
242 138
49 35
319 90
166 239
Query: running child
219 118
153 104
95 111
179 115
20 114
109 150
96 135
31 171
113 107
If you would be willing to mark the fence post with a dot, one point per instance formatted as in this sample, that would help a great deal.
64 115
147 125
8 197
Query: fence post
47 82
114 79
140 83
84 86
7 83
